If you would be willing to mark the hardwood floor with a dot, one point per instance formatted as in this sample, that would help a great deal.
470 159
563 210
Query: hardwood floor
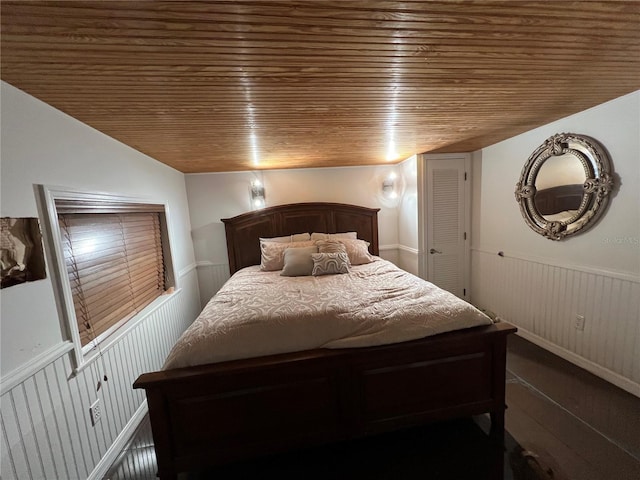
562 424
578 425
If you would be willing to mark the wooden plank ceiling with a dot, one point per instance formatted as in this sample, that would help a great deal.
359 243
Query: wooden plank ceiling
244 85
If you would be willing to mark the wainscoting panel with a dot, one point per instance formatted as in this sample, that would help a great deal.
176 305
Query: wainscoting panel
46 427
408 259
211 277
545 300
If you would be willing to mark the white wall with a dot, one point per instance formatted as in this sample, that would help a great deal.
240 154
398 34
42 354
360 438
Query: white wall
616 125
408 217
597 271
222 195
41 145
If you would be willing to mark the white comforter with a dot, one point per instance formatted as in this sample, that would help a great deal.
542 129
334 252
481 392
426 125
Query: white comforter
261 313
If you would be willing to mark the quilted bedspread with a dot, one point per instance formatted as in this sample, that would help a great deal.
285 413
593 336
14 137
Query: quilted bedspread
261 313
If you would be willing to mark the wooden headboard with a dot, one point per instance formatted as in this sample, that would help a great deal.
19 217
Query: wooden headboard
244 231
558 199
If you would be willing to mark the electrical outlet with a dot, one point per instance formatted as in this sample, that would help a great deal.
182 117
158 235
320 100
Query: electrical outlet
95 413
579 323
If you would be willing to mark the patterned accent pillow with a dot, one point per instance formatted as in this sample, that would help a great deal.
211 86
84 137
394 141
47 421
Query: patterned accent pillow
358 251
329 263
298 261
272 254
330 246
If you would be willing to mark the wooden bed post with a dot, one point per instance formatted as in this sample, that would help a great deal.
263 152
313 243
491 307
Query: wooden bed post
161 434
500 366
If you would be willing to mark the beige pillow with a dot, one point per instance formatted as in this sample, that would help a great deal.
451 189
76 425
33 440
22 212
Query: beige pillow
272 254
330 246
298 261
333 236
357 250
329 263
296 237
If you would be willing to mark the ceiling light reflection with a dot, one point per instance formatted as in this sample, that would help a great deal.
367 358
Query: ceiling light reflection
392 153
251 120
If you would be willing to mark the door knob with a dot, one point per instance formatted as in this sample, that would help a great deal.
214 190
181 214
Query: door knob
433 250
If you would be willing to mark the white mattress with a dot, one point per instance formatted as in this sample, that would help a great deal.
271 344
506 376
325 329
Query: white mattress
261 313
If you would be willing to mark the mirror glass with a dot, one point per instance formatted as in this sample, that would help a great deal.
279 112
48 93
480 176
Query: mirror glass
559 187
564 185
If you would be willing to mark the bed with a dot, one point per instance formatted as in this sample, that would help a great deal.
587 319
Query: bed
232 410
558 199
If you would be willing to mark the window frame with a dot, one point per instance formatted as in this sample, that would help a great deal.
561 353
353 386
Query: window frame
46 198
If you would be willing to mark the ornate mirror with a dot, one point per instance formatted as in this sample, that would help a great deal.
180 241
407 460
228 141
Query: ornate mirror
565 185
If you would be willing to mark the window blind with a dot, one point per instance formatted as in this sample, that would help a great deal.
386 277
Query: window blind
115 265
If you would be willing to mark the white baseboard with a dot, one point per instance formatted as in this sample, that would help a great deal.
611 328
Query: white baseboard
598 370
119 444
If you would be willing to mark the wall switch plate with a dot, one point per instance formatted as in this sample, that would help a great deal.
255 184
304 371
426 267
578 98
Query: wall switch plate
95 412
579 323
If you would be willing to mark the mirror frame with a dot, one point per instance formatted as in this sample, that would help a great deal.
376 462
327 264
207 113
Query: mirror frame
597 186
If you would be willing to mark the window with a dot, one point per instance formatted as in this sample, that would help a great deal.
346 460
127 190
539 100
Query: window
113 260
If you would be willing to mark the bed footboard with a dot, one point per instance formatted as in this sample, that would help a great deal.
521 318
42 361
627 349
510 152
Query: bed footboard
213 414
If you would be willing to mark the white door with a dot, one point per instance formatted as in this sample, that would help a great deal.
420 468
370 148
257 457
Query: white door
446 237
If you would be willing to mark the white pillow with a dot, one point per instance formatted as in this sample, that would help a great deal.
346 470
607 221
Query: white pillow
333 236
296 237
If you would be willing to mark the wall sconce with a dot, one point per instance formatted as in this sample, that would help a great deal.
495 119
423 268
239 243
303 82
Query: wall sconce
389 186
257 194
